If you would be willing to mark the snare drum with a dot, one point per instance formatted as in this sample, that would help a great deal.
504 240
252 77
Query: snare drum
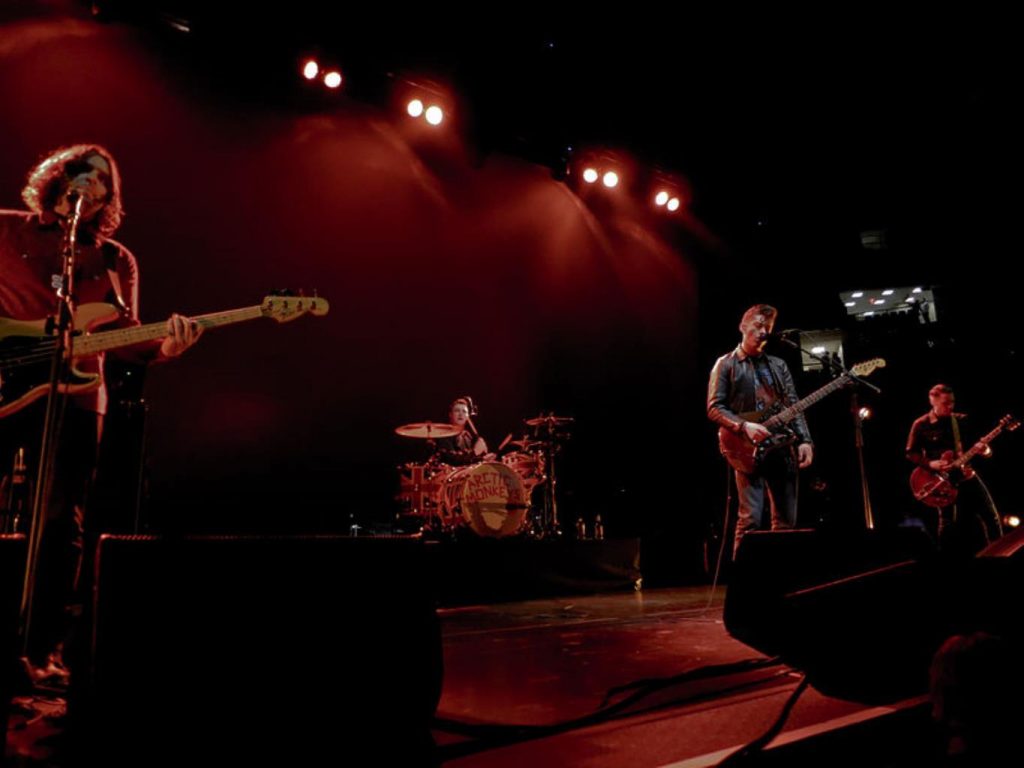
489 498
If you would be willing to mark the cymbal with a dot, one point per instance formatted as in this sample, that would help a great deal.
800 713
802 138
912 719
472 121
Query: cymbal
548 420
428 429
526 444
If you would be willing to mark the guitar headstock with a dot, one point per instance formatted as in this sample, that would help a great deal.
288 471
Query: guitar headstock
285 308
868 366
1009 422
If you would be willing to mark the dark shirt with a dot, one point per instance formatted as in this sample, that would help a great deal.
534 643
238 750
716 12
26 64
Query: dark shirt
457 450
930 437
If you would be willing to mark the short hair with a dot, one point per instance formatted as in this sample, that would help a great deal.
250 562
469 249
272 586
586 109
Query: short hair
940 389
459 401
45 182
767 310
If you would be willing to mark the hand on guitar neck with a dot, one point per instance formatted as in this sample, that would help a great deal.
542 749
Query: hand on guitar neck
182 333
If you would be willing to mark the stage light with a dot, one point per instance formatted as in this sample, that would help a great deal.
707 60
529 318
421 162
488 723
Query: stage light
673 204
414 108
434 115
610 179
590 175
310 70
332 79
661 198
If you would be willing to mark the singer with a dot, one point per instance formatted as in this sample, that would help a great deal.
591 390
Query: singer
85 177
467 447
748 380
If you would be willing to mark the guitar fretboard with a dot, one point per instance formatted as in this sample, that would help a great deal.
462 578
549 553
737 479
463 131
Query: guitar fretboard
126 337
786 415
977 448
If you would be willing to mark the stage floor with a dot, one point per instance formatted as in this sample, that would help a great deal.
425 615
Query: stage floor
695 690
681 691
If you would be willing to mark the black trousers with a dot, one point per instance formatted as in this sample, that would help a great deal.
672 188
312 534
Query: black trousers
59 586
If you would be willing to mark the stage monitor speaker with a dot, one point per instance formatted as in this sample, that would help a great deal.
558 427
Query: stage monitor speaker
1010 545
242 648
13 550
871 636
772 564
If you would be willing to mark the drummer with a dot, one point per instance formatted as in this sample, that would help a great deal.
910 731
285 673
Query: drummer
467 447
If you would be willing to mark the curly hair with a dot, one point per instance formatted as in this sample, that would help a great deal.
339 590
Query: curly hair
46 182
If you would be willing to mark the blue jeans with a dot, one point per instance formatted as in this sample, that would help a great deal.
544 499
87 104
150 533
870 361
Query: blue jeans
774 485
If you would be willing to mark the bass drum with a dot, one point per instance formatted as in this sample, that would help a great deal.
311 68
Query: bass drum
489 498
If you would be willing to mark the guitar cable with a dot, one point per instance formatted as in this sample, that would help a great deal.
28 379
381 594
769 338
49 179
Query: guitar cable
729 485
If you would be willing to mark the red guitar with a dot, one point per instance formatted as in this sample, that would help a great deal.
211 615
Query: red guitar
938 489
744 456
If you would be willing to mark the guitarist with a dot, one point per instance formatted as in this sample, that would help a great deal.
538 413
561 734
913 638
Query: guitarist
30 255
747 380
934 442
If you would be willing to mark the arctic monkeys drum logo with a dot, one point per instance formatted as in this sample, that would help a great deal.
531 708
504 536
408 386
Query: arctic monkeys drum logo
489 497
491 486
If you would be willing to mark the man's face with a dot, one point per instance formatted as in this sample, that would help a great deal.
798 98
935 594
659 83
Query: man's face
459 414
755 333
90 178
942 404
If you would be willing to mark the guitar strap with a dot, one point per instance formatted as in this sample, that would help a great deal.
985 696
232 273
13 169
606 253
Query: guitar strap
110 261
957 447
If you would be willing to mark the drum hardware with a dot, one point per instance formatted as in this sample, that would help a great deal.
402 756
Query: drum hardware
548 432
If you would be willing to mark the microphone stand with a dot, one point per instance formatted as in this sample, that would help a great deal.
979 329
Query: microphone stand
61 325
830 362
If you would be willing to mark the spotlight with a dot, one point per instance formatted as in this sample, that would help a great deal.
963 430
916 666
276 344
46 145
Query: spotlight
434 115
310 70
865 413
414 108
673 204
590 175
332 79
661 198
1011 521
610 179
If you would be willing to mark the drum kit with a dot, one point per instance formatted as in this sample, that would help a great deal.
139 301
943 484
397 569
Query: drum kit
494 497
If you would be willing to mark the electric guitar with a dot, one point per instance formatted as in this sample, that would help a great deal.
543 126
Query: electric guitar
26 347
744 455
938 489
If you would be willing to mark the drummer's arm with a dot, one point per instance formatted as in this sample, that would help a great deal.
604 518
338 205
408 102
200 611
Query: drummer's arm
479 447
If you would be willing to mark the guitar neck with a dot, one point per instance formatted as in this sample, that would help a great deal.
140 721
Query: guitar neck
977 448
126 337
786 415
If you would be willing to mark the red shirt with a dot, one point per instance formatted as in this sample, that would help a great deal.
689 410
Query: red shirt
30 255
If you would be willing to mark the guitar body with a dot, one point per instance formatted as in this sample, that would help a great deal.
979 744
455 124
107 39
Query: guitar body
935 489
25 362
745 456
938 489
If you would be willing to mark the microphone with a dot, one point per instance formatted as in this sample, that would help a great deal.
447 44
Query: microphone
473 410
79 191
774 335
